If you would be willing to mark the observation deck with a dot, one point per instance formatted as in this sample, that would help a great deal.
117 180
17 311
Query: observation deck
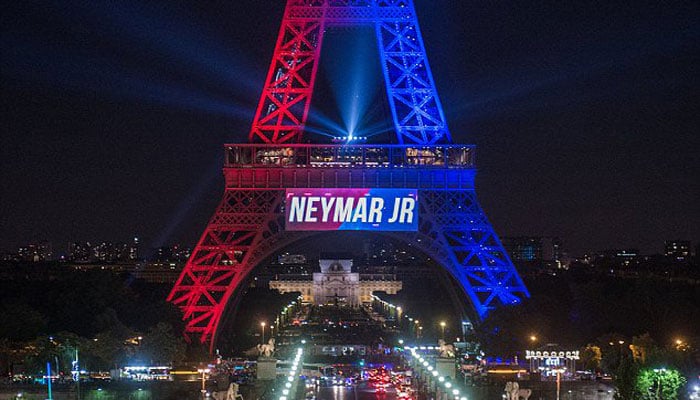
268 166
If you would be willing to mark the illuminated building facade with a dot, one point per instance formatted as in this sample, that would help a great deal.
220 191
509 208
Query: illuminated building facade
336 284
677 250
524 248
552 361
36 252
107 252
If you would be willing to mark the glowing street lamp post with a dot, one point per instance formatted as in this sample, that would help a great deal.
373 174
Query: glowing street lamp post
204 372
558 371
442 325
533 339
48 379
262 324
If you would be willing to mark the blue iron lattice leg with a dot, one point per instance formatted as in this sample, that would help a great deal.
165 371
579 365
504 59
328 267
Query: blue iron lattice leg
413 98
469 248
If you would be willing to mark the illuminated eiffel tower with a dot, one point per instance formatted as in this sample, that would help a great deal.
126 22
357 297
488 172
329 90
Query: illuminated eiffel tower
249 224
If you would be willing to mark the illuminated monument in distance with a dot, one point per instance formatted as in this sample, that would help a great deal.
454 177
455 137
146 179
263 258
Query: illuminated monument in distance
336 284
251 222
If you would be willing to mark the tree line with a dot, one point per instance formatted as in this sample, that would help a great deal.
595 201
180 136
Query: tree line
109 320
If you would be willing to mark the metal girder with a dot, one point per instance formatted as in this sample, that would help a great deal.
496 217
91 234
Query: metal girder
223 258
248 224
465 243
284 105
453 231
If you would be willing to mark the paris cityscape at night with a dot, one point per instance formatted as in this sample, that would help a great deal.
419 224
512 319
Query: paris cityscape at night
350 199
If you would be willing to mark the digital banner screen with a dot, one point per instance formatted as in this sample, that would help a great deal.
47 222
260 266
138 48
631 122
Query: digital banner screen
351 209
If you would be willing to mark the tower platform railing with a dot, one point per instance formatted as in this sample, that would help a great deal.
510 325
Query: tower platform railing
349 156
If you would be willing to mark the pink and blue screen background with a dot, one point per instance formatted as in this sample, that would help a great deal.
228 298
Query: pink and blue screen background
387 194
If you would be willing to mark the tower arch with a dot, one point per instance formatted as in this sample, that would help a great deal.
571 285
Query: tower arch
249 222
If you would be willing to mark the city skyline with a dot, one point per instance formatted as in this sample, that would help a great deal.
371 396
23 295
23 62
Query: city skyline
584 116
520 248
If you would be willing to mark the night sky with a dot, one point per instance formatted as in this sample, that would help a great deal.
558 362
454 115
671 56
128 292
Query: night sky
585 114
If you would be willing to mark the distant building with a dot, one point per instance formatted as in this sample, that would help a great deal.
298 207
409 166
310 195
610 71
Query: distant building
153 272
163 254
536 251
35 252
524 249
103 252
156 272
134 249
336 284
291 266
553 252
627 257
79 252
677 250
379 251
9 256
614 259
286 258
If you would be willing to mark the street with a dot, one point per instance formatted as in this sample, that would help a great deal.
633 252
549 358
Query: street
360 391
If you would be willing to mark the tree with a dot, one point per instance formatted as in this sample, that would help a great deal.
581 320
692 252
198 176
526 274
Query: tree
66 345
19 321
104 352
41 350
642 348
10 353
625 380
591 357
161 345
613 348
659 384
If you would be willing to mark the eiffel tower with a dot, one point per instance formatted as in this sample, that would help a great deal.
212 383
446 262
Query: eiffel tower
249 224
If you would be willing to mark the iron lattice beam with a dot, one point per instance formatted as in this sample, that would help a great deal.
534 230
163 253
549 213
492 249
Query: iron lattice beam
248 226
222 258
286 98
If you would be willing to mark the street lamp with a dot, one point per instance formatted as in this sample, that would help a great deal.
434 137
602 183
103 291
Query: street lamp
533 338
204 372
681 345
559 372
442 325
262 324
